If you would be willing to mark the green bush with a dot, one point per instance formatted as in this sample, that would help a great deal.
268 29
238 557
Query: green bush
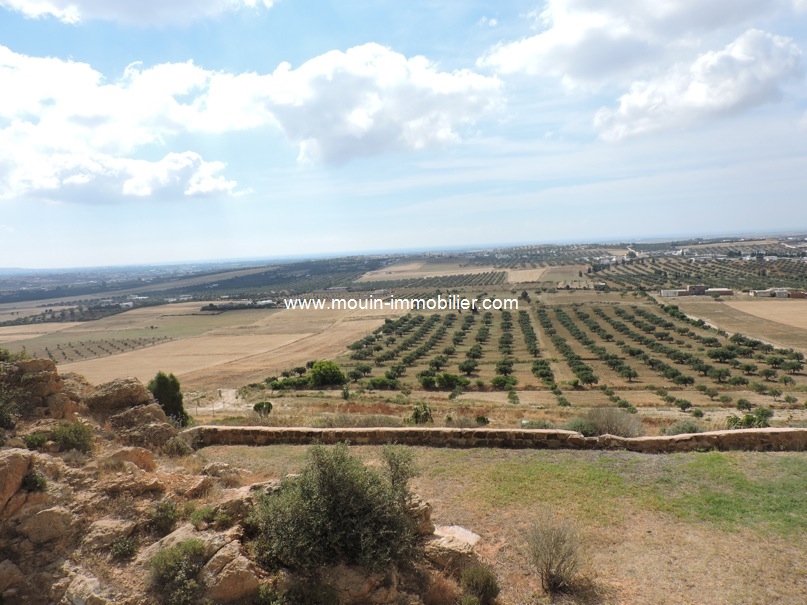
481 583
263 408
336 510
124 548
469 600
74 436
301 592
163 516
167 392
683 427
203 514
537 424
421 414
34 481
35 441
583 426
174 571
326 374
177 447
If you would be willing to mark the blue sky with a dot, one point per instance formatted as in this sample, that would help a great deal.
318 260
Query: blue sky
153 131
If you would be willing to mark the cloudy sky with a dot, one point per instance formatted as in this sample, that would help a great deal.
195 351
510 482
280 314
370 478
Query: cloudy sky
172 130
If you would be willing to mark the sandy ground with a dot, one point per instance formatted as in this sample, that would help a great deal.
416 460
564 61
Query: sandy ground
15 333
231 354
792 312
518 276
419 269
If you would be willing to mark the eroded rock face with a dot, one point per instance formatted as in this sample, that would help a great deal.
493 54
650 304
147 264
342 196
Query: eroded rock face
119 394
104 532
49 524
140 457
143 426
452 547
229 575
14 464
84 590
356 586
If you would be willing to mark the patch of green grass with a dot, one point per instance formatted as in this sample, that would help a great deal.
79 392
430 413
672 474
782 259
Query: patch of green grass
715 488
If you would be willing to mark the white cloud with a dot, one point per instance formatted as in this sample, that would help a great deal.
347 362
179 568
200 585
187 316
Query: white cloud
587 42
67 126
142 12
370 99
747 73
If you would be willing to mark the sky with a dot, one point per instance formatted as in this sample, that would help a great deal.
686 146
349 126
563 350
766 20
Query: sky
166 131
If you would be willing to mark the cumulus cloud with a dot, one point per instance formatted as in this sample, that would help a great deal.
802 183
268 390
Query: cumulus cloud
68 126
142 12
586 42
747 73
370 99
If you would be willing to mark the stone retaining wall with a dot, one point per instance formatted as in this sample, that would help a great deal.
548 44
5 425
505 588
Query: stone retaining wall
770 439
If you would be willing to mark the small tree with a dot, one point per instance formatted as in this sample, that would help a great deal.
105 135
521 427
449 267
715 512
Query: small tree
167 392
326 374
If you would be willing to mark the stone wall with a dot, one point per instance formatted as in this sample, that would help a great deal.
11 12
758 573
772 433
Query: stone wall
769 439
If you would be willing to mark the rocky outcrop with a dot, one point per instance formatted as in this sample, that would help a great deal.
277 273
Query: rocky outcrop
143 426
38 380
84 590
14 464
120 394
356 586
452 548
230 576
104 532
49 524
140 457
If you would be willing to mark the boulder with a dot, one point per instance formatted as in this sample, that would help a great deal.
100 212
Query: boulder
104 532
199 487
14 464
41 379
84 590
120 394
452 547
10 575
49 524
143 426
140 457
357 586
75 386
420 512
229 576
61 407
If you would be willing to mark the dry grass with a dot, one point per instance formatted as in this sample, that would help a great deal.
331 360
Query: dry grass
691 528
416 270
791 312
518 276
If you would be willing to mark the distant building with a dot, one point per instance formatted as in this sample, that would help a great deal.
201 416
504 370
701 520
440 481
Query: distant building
779 293
719 292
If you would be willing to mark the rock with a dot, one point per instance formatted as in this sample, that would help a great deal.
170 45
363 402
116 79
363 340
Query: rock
134 484
229 575
49 524
75 386
104 532
420 512
120 394
213 542
143 426
452 547
140 457
40 377
357 586
84 590
61 407
217 469
14 464
10 575
199 488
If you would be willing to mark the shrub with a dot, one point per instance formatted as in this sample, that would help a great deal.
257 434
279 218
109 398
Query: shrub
326 374
174 571
421 414
743 405
503 383
482 420
481 583
35 441
263 408
163 516
336 510
442 591
74 436
123 548
537 424
300 592
203 514
167 392
176 447
553 548
682 427
469 600
583 426
34 482
696 412
613 421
